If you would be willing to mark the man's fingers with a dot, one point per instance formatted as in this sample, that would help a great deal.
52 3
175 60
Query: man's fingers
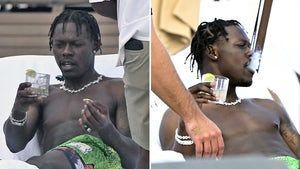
207 147
24 85
194 89
91 115
199 149
102 109
96 106
214 147
221 147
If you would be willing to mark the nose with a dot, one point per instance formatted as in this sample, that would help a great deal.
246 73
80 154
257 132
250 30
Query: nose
67 51
249 53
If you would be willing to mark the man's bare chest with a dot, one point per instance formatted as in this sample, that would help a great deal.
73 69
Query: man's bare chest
62 107
235 122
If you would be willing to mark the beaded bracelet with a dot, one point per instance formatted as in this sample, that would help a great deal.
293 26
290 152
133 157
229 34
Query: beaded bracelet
183 140
18 122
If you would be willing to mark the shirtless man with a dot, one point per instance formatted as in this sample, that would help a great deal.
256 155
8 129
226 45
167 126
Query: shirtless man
85 110
249 126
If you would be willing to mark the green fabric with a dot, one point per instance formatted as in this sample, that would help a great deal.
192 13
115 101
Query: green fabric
92 150
291 162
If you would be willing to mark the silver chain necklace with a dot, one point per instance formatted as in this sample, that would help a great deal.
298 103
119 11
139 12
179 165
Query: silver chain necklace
64 88
239 100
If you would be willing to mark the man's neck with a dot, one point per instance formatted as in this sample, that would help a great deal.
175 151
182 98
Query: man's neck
77 83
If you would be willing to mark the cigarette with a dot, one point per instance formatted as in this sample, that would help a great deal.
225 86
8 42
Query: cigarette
87 100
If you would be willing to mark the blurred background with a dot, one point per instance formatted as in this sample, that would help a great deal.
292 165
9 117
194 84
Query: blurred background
24 26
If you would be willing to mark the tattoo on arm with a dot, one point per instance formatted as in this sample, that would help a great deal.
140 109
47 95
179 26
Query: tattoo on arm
291 137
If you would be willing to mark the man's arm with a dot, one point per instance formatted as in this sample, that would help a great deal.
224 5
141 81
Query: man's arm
127 148
289 132
21 126
106 8
166 83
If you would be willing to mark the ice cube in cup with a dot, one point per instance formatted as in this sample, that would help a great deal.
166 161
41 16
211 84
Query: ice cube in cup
40 83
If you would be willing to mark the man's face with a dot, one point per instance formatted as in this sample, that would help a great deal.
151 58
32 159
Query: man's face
73 52
234 56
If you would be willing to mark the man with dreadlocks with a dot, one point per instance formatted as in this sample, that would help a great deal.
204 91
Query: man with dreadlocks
83 122
249 126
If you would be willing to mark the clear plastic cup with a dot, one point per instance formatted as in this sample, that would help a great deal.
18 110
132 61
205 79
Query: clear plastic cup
40 84
220 88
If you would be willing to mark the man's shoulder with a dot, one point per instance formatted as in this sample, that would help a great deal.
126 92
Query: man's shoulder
266 103
112 81
112 85
261 101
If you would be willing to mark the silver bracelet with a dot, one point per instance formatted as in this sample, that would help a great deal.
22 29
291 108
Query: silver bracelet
183 140
18 122
181 137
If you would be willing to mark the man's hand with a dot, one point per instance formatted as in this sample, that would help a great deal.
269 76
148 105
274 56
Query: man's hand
207 137
95 117
202 92
25 98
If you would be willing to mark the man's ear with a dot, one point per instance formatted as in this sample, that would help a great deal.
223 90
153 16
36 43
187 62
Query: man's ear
212 52
97 46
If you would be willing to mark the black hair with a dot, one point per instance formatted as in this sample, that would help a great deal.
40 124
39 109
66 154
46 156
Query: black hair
80 18
207 34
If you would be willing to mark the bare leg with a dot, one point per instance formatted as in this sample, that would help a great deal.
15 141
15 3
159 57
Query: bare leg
51 160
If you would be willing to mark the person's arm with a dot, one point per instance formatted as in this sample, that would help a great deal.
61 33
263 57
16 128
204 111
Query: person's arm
106 8
21 126
168 127
289 132
166 83
171 123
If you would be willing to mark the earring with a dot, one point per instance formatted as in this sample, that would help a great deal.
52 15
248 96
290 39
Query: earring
216 57
94 51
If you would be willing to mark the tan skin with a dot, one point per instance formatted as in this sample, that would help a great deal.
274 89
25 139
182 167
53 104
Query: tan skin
256 126
60 116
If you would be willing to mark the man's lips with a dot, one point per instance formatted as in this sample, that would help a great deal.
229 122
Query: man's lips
246 66
67 65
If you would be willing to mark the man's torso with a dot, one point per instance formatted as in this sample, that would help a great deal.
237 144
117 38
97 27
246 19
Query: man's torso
250 127
62 111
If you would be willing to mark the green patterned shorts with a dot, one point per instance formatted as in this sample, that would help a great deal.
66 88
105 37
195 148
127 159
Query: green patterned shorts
88 151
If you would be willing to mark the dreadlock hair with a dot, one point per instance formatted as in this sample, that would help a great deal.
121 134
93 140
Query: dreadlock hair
207 34
80 18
